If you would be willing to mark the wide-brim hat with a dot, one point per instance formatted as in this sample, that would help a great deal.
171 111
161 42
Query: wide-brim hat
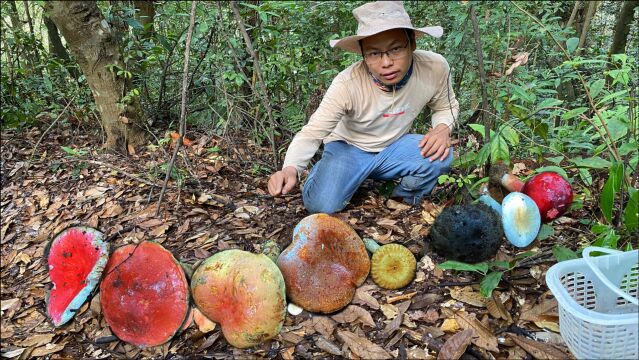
376 17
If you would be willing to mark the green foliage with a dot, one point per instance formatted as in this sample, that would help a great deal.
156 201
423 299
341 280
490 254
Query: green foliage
491 272
562 253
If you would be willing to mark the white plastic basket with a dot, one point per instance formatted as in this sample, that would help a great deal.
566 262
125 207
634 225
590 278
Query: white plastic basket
598 306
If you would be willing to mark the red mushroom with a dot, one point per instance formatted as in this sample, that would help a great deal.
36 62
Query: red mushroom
551 192
324 264
144 294
76 257
244 293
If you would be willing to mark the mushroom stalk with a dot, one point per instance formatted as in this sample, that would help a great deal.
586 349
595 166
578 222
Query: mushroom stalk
371 245
271 250
500 174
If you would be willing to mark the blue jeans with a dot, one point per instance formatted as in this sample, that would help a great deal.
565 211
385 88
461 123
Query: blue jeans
343 167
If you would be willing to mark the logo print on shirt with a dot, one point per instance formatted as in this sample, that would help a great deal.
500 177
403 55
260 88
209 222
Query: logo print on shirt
396 112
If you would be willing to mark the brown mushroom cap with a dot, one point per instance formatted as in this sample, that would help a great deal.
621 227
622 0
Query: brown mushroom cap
393 266
324 264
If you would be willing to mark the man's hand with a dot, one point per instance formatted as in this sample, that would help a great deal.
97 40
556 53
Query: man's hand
436 143
283 181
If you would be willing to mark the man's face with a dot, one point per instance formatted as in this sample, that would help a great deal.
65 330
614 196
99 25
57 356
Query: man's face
395 50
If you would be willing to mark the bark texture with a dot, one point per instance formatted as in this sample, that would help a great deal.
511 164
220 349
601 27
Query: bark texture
622 27
92 42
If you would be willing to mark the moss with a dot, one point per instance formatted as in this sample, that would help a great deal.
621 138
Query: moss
469 233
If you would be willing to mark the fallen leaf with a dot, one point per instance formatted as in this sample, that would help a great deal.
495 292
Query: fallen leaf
37 340
467 295
354 313
151 223
429 317
497 309
537 349
456 345
47 349
362 347
11 353
395 205
328 346
390 311
112 210
322 324
363 297
424 300
8 303
449 325
483 338
397 321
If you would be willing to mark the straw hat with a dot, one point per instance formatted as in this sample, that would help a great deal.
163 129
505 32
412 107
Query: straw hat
375 17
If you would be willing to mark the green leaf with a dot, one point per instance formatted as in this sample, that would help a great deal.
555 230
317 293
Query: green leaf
465 159
610 189
501 264
481 129
562 253
594 162
510 134
499 150
553 168
573 113
70 151
556 159
595 87
489 283
585 176
545 232
631 213
571 44
461 266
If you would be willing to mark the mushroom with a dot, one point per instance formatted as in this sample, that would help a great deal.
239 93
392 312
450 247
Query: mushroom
551 192
76 258
519 216
244 293
144 294
520 219
392 265
324 264
500 174
469 233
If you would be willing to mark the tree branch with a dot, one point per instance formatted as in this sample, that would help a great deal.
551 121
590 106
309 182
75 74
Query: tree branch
482 73
182 129
260 80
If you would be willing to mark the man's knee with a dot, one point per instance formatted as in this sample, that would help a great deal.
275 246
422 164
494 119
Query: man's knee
315 204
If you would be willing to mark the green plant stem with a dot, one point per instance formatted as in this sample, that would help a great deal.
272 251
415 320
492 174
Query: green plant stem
611 144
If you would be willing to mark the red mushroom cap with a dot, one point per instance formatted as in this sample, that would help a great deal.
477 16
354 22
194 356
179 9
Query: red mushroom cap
144 294
244 293
324 264
552 194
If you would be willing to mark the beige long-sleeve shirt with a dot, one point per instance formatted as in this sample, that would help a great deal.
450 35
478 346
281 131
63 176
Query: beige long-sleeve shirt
356 111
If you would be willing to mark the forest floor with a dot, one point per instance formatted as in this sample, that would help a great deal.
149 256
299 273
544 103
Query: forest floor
221 204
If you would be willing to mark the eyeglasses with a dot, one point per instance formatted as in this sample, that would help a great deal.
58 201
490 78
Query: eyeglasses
395 53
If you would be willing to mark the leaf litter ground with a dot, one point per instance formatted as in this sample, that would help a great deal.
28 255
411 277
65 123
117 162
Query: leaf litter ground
221 203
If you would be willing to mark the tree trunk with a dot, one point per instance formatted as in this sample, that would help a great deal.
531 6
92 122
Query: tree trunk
144 15
590 13
622 27
92 42
56 47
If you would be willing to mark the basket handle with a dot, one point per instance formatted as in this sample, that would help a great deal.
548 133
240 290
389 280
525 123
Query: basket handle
602 277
